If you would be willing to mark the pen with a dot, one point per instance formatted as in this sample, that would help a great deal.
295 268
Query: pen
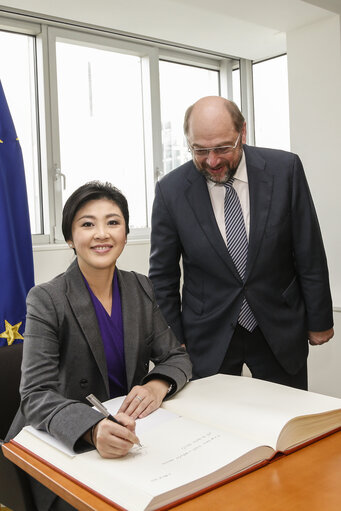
101 408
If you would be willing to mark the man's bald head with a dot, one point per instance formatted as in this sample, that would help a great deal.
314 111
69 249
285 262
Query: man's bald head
212 109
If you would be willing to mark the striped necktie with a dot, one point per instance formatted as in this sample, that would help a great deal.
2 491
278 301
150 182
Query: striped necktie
237 246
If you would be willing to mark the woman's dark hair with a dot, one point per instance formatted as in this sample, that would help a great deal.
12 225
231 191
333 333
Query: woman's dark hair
94 190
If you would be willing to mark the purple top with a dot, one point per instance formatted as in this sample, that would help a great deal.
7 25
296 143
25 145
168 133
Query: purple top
111 328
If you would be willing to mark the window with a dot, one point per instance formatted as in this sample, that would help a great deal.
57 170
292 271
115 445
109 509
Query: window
18 78
180 86
88 104
236 87
101 122
271 103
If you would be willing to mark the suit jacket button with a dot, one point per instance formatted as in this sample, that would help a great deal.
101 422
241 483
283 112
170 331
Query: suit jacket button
83 383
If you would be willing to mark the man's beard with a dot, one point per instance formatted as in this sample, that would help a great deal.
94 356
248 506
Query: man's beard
230 170
229 173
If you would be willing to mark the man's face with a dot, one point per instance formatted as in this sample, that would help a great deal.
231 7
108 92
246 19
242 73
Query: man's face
209 130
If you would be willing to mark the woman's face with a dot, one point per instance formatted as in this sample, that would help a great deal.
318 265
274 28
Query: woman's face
98 234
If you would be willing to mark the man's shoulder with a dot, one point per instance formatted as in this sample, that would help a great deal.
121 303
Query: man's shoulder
182 173
268 153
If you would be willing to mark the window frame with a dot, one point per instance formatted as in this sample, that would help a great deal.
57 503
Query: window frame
20 27
151 52
150 108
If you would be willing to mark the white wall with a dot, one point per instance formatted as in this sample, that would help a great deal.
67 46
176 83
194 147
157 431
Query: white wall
314 68
324 362
51 261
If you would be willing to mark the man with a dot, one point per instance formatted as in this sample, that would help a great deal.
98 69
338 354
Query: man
255 277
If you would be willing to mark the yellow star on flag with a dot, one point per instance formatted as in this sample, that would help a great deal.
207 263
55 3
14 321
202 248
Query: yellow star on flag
11 333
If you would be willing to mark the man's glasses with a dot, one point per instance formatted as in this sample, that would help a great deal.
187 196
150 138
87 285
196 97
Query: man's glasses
223 149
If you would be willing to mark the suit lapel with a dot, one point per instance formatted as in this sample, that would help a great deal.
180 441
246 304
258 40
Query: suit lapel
130 325
260 191
198 197
81 304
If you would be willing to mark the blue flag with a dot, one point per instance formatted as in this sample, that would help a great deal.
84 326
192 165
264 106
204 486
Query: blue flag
16 258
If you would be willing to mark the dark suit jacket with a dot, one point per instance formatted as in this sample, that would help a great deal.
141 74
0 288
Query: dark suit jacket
64 359
286 282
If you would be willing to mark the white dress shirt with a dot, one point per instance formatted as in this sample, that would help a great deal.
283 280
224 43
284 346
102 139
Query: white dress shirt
217 195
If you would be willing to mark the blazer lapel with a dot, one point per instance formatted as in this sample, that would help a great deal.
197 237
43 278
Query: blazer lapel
260 190
130 325
198 197
81 304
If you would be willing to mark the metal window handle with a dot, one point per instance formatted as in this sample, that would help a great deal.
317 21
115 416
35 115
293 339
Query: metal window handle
59 175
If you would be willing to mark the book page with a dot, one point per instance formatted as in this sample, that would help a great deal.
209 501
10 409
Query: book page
241 405
147 423
178 457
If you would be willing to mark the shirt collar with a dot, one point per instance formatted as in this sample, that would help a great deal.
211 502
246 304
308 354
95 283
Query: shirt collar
240 175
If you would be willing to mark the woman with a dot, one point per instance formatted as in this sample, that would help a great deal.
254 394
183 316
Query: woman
94 329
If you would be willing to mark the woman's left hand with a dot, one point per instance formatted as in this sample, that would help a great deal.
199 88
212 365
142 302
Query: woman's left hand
144 399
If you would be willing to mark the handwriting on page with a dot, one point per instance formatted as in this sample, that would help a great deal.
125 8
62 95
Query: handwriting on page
195 445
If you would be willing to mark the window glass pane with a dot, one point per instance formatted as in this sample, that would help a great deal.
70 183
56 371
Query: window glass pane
18 80
101 122
270 86
236 87
180 86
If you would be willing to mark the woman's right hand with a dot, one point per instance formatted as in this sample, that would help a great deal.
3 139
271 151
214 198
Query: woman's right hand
113 440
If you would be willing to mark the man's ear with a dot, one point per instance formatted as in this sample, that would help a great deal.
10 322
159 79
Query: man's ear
244 133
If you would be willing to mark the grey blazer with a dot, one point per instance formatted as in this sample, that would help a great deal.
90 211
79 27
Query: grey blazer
64 361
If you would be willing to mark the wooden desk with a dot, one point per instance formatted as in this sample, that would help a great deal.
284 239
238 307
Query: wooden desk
307 480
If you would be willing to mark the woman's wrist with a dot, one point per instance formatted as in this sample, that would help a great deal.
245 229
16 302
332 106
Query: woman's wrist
92 435
161 385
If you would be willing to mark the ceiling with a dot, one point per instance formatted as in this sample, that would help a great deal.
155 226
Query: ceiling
258 27
252 29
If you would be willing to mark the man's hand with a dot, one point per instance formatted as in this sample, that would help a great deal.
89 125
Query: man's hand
317 338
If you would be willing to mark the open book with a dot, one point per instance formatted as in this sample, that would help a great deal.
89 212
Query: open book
213 430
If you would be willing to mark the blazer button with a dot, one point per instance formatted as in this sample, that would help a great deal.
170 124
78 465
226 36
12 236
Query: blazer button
83 383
